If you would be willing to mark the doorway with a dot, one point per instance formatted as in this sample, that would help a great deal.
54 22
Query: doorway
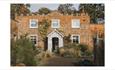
55 44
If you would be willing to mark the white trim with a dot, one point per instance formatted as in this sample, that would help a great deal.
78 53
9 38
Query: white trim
57 21
55 30
73 21
75 35
53 34
33 20
36 38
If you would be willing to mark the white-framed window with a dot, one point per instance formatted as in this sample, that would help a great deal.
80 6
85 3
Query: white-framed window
75 23
33 23
34 39
55 23
75 39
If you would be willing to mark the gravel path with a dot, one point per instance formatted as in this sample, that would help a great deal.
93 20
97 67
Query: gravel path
59 61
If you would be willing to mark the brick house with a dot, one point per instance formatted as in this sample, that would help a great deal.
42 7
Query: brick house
77 26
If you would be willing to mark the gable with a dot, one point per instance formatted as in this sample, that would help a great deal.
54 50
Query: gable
55 33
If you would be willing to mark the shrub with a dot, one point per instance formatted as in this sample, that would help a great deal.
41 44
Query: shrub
42 56
24 52
48 54
88 53
70 50
74 50
38 50
67 39
85 63
61 51
83 47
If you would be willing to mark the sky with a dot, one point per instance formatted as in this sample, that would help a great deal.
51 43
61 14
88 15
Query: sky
35 7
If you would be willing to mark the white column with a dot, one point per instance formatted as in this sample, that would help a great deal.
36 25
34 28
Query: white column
49 44
60 42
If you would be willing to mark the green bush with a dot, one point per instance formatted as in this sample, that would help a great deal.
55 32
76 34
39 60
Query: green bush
83 47
22 51
70 50
43 56
75 50
85 63
88 53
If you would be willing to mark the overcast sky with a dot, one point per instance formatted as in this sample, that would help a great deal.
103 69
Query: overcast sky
35 7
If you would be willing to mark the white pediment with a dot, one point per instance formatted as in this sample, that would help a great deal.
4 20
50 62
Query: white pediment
55 33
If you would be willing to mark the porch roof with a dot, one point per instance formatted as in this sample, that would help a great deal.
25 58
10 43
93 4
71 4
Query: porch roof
55 31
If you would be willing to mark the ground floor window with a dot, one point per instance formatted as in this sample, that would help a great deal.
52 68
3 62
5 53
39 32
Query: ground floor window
76 39
34 39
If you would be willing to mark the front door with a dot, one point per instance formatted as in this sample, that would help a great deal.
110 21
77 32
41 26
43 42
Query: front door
55 44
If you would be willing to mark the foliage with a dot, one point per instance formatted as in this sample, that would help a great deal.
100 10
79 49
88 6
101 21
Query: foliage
66 9
22 52
99 53
83 47
88 53
74 50
18 9
67 39
44 11
43 28
42 56
70 50
94 10
84 63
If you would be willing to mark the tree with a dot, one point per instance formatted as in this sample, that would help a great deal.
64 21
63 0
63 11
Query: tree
44 11
18 9
66 9
98 40
22 52
94 10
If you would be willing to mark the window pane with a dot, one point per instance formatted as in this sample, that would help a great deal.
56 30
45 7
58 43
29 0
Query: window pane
33 23
55 24
75 23
33 39
76 39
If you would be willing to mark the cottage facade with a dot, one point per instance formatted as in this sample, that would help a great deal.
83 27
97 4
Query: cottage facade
78 27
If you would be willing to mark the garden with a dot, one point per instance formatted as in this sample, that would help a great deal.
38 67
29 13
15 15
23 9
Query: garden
24 53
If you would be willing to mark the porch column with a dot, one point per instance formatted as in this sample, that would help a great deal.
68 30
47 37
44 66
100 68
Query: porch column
49 44
60 42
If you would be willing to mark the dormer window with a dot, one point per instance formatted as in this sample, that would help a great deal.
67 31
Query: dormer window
75 23
33 23
55 23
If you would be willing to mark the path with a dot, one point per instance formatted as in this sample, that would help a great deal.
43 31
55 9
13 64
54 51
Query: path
59 61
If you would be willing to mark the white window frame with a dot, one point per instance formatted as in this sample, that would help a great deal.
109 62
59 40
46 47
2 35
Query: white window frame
31 23
53 20
73 21
75 35
36 38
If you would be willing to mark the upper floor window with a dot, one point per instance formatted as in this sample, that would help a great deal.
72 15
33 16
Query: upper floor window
33 23
75 23
55 23
76 39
